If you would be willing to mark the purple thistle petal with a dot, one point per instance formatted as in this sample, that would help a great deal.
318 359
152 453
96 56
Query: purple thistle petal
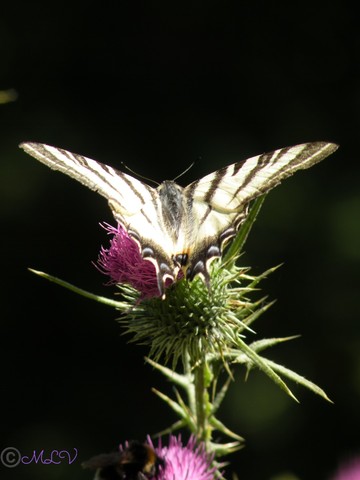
184 462
123 263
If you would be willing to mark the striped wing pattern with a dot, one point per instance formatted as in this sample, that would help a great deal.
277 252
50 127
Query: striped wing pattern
126 193
187 227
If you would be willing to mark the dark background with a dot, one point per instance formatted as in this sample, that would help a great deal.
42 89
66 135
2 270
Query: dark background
158 85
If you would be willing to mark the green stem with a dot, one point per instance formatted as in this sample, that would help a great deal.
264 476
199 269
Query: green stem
190 389
202 403
199 382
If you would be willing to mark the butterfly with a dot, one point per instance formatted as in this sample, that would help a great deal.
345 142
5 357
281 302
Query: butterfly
180 228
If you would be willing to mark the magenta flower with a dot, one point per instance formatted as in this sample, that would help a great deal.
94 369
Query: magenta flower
349 470
184 462
123 263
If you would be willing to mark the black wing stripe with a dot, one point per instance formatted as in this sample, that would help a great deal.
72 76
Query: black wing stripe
206 214
218 176
270 158
263 159
80 160
109 170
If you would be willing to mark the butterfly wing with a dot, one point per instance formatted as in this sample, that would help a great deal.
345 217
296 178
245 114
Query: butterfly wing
126 195
220 200
134 204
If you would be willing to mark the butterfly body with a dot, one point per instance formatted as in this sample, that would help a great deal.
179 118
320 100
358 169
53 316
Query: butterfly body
184 228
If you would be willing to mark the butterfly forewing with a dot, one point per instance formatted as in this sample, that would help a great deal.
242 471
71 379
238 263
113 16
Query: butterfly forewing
126 194
232 187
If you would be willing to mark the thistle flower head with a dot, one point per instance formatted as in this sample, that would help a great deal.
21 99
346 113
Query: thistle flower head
184 462
123 263
191 319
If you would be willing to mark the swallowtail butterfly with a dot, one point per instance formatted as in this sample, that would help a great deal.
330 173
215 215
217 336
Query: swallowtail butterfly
184 228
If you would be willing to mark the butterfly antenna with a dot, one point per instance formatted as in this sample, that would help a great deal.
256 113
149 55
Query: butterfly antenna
186 170
138 174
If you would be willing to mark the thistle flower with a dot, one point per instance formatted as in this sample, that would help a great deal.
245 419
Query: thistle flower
184 462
